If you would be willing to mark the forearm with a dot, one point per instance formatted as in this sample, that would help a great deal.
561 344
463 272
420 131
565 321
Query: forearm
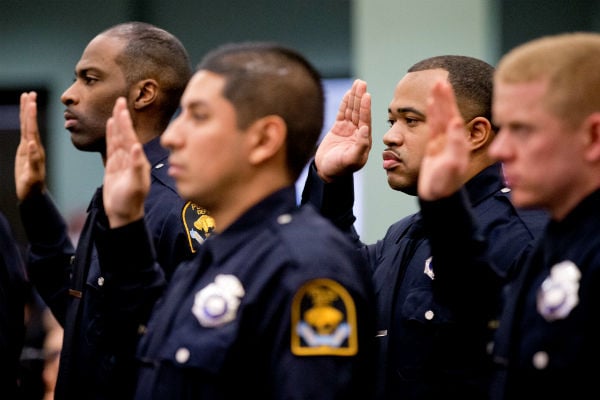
334 200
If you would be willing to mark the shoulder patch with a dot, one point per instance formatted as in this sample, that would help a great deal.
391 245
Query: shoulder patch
323 320
198 224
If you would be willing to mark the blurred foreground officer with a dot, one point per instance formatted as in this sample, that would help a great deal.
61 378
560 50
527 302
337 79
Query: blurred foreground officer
150 68
13 296
436 315
547 107
275 305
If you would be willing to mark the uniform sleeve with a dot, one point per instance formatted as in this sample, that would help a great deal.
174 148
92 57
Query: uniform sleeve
328 325
335 201
50 251
177 227
134 281
331 352
13 290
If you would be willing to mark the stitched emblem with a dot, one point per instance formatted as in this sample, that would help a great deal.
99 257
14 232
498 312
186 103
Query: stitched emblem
323 320
198 224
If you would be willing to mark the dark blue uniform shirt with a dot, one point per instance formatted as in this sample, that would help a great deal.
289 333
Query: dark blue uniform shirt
437 312
278 306
71 284
13 295
547 344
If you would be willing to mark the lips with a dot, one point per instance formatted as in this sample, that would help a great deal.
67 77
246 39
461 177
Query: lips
175 169
70 120
390 159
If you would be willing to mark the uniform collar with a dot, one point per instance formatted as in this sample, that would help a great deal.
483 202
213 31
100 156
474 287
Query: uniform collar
253 222
485 184
155 152
580 216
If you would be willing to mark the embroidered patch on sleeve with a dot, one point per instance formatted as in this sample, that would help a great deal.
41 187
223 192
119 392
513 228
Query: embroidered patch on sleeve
198 224
323 320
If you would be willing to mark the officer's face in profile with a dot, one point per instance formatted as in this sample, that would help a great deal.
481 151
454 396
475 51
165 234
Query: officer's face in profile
406 139
89 101
208 151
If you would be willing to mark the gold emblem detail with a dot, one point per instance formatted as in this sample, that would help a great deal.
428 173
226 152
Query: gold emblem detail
323 320
198 224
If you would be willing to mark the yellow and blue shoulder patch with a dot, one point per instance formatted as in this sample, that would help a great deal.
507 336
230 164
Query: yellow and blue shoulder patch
323 320
198 224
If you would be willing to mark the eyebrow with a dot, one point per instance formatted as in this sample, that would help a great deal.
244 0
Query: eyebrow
406 110
86 70
194 104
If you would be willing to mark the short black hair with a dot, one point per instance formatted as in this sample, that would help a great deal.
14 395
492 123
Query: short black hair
472 81
152 52
265 78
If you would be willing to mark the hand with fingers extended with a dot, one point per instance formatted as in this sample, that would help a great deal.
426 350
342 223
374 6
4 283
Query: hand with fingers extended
444 166
127 170
30 159
345 148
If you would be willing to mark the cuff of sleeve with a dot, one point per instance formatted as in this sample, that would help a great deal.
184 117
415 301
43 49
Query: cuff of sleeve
334 200
41 220
125 248
448 216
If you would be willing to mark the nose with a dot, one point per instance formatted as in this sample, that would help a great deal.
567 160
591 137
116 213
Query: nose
169 137
393 136
68 97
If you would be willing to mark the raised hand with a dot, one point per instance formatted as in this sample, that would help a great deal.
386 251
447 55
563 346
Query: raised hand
444 166
30 158
127 170
345 148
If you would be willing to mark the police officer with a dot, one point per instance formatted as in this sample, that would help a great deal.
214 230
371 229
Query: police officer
435 317
547 106
13 296
150 67
275 304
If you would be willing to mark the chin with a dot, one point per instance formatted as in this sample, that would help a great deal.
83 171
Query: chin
89 147
401 187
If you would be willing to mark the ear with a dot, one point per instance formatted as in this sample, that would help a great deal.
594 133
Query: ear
145 93
267 138
591 127
480 132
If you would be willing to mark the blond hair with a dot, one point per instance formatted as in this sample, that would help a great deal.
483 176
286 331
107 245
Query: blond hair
568 62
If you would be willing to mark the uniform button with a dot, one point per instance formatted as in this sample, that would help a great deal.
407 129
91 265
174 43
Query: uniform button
505 190
540 360
284 219
182 355
100 281
429 315
158 166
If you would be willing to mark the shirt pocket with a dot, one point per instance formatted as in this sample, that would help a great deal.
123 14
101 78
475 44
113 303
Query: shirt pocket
420 306
193 346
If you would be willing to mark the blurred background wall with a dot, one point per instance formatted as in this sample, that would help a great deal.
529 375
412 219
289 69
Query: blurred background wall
376 40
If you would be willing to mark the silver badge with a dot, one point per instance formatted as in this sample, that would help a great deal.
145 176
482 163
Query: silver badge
428 269
558 294
217 303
